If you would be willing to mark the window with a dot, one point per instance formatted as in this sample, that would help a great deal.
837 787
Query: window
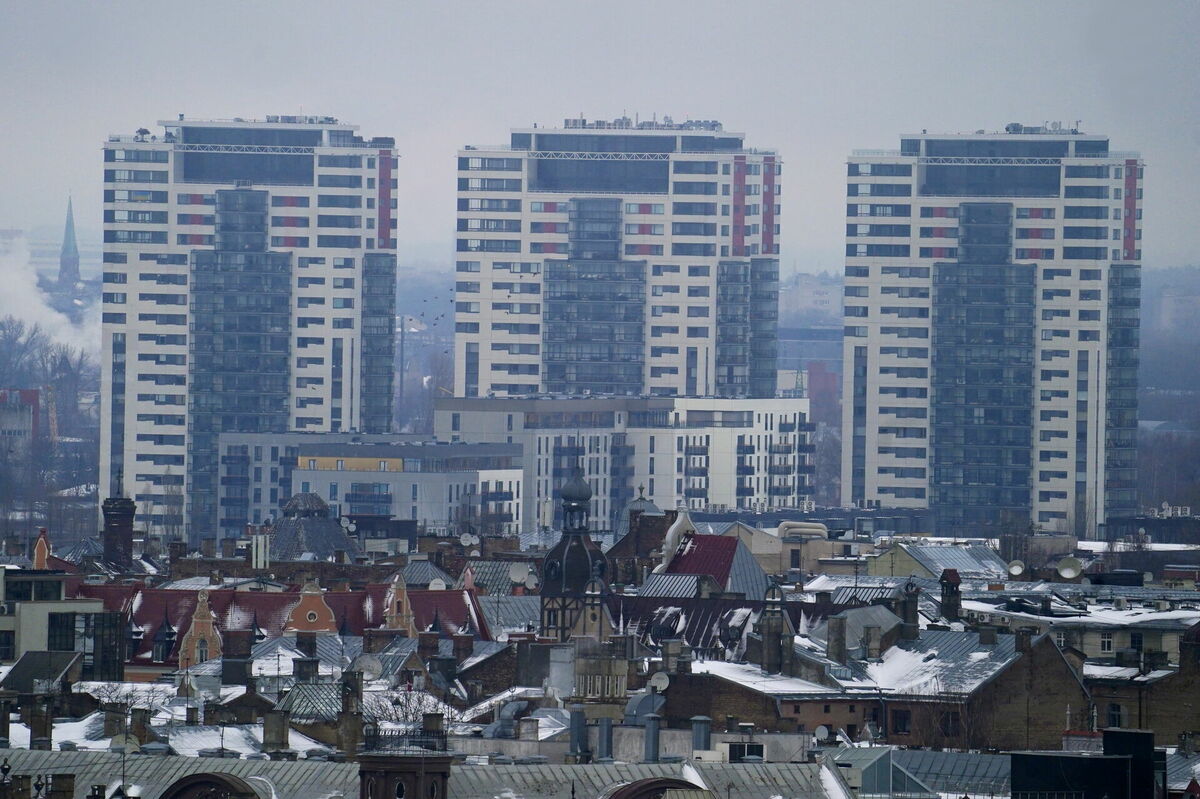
1106 645
1115 715
901 722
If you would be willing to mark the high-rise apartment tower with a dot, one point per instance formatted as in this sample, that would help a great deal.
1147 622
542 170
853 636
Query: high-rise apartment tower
249 286
991 328
618 257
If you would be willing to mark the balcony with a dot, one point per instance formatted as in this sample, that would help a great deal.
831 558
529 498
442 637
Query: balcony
787 427
779 469
356 498
496 496
695 471
745 491
568 451
745 470
745 449
781 449
780 491
695 450
376 741
621 450
695 493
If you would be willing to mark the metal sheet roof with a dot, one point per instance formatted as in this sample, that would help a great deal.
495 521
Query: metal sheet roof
509 613
956 773
303 780
971 560
670 585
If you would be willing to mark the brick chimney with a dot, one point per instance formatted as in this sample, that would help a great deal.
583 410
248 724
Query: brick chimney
427 644
873 639
62 786
951 594
276 725
41 727
117 535
305 669
114 718
464 645
352 691
208 548
910 628
835 639
235 657
306 642
1024 640
139 725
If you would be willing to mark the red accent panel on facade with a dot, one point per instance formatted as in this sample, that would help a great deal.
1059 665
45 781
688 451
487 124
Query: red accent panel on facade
768 209
739 205
384 201
1129 223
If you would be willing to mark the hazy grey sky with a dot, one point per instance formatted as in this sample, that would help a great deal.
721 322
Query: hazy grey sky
814 80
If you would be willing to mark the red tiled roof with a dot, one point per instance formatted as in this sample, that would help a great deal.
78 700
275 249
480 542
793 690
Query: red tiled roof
355 611
454 610
705 554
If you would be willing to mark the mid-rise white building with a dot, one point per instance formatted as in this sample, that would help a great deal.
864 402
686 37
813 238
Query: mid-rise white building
447 487
626 258
249 286
702 452
991 328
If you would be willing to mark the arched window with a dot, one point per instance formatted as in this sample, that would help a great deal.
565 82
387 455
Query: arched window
400 790
202 650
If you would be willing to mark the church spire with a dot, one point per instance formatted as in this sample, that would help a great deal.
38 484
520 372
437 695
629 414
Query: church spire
68 257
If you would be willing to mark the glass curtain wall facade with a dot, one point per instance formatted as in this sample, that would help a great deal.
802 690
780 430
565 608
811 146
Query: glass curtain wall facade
981 415
595 308
239 350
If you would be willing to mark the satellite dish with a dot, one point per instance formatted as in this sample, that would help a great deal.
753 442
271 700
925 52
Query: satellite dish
1147 577
474 553
370 666
465 539
1016 568
437 584
821 733
474 538
660 681
531 581
353 527
517 572
1069 568
344 521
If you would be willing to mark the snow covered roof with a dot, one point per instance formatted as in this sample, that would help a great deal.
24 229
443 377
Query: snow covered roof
970 560
941 661
749 675
1096 616
1096 671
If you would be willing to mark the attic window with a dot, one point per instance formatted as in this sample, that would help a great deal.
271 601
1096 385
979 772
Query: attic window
312 615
